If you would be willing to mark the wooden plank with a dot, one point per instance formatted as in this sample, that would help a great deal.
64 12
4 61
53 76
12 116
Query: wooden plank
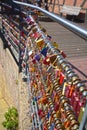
71 10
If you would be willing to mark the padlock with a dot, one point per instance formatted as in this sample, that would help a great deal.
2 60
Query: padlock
63 101
46 61
68 71
59 126
37 57
61 61
70 75
67 107
69 114
51 107
40 42
66 124
34 29
82 110
44 51
44 127
34 61
74 78
53 59
81 89
79 85
66 104
28 19
63 54
61 79
59 92
57 121
74 125
71 117
53 78
43 29
76 81
37 37
72 89
65 67
55 83
55 44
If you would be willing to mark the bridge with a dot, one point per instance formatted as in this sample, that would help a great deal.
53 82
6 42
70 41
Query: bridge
75 49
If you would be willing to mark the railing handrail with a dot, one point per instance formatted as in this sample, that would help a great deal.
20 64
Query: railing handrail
66 23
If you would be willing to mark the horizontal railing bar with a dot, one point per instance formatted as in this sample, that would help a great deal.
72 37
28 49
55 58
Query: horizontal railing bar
67 24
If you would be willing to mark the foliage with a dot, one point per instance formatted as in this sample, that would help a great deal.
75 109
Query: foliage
11 119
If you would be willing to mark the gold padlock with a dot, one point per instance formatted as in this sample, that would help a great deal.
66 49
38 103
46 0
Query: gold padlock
40 42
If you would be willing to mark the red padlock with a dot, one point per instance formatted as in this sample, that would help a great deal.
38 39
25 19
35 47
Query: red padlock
46 61
61 80
63 54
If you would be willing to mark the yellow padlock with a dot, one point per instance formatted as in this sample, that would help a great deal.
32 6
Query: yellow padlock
55 44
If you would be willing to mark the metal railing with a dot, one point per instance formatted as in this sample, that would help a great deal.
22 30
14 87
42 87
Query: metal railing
70 26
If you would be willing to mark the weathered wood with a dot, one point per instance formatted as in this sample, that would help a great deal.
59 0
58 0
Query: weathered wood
71 10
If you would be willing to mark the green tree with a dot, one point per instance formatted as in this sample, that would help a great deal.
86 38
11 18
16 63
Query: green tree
11 119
